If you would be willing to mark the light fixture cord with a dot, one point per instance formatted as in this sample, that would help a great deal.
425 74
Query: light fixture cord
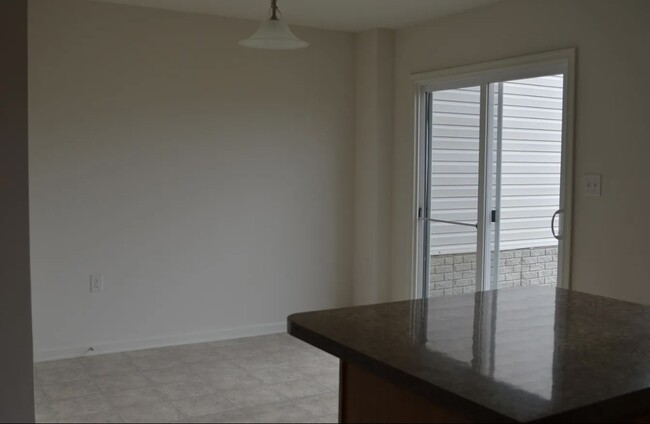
274 10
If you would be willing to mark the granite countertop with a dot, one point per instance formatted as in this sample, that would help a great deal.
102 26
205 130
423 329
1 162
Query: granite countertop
523 354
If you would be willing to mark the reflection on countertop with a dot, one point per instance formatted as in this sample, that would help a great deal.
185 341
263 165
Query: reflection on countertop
526 354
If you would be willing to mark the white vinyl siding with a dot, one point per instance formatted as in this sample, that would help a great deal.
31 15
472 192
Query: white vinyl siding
532 143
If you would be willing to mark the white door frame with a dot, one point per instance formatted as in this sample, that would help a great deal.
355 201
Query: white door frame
482 74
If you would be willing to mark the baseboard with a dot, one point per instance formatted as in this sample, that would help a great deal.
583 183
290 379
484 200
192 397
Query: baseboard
41 355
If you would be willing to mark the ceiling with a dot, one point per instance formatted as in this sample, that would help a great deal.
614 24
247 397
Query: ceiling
346 15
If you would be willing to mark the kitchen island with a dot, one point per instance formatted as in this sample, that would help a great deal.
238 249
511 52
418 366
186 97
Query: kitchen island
519 355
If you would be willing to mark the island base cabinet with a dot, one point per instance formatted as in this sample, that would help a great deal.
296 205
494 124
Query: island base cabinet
367 398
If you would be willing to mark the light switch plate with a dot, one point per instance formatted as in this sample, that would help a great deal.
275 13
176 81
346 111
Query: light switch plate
591 185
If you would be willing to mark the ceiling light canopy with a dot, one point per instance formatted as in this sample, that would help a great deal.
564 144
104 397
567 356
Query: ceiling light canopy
274 34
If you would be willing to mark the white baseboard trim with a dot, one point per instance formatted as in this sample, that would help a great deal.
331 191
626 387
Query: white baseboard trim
41 355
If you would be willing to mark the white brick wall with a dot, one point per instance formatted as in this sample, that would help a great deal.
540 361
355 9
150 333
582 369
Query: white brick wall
456 273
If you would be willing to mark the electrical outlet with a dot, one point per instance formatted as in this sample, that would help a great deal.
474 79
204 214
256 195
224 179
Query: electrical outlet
96 283
591 185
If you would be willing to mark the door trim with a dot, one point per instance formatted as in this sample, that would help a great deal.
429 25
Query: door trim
530 66
484 181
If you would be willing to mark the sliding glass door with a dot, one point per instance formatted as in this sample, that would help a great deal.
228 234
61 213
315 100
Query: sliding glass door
491 175
526 140
450 210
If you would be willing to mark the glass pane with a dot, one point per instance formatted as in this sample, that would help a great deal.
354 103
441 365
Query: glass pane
455 131
531 128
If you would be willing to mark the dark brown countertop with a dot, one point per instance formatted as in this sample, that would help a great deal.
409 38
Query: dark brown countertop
524 354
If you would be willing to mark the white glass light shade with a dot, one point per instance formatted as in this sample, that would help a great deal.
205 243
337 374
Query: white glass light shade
274 35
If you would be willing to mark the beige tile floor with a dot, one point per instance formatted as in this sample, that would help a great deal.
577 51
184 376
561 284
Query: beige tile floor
274 378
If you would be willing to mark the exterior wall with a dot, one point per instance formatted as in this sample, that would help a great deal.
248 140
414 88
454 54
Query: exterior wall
456 273
530 163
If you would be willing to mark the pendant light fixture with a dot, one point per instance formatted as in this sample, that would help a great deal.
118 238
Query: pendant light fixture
274 34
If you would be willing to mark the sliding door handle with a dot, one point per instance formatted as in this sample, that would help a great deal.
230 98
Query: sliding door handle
557 236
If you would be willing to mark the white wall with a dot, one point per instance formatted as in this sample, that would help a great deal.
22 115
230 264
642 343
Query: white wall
610 233
373 159
213 185
210 183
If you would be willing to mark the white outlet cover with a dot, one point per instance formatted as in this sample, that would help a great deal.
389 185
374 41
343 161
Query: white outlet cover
96 283
591 185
